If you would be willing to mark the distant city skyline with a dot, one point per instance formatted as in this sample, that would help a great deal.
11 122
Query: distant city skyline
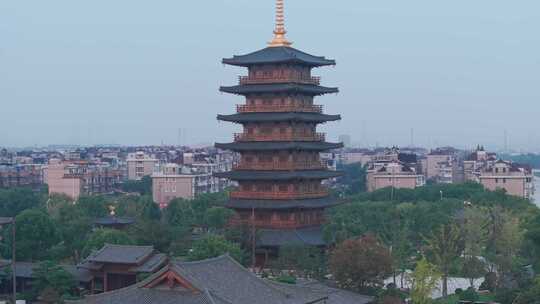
135 72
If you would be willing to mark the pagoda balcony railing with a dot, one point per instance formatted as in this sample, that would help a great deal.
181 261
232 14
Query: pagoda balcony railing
277 165
278 108
279 137
279 79
265 223
277 195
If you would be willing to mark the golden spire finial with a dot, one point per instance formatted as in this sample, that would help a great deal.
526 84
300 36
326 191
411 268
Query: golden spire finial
279 31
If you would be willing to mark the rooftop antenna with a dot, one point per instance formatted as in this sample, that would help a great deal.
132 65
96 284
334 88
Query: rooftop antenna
279 31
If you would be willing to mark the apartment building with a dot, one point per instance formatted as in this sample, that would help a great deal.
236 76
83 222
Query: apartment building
515 179
395 174
76 178
140 164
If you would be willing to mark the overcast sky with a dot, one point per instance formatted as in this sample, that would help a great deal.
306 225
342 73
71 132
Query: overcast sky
458 72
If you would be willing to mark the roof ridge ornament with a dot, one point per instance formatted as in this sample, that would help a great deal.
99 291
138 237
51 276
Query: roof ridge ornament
279 31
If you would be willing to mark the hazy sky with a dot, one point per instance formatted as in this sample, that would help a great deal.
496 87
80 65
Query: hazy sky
458 72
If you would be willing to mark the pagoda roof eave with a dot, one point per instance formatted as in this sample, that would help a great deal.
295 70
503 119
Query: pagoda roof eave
312 236
279 145
277 117
276 55
278 175
308 89
317 203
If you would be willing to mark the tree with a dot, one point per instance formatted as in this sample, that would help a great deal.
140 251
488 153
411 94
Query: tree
143 186
149 209
423 280
93 206
52 282
73 228
35 235
213 246
361 263
100 237
474 240
309 261
179 213
503 243
156 233
14 201
445 247
218 217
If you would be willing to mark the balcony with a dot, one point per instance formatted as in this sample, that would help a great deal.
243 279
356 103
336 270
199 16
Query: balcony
265 223
279 137
279 79
277 195
277 165
278 108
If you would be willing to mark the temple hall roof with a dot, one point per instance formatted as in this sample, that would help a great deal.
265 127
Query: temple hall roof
275 55
279 145
218 280
121 254
278 117
315 203
278 175
307 89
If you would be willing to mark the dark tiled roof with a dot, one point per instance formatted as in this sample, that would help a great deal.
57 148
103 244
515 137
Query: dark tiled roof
220 280
283 204
26 270
278 175
308 89
276 145
335 295
113 220
277 117
273 55
152 264
121 254
232 282
312 236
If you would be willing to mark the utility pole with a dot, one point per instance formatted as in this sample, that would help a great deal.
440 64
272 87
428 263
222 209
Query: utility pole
13 267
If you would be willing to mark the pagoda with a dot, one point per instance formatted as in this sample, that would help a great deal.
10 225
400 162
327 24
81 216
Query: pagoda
280 173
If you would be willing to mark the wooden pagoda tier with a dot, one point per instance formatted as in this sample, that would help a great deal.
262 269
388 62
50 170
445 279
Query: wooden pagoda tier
280 172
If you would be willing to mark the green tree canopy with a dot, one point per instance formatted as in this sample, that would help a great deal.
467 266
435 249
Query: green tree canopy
94 206
35 235
14 201
100 237
52 282
423 280
213 246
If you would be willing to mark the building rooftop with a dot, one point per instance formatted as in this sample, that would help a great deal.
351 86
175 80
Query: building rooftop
307 89
121 254
278 117
276 55
219 280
